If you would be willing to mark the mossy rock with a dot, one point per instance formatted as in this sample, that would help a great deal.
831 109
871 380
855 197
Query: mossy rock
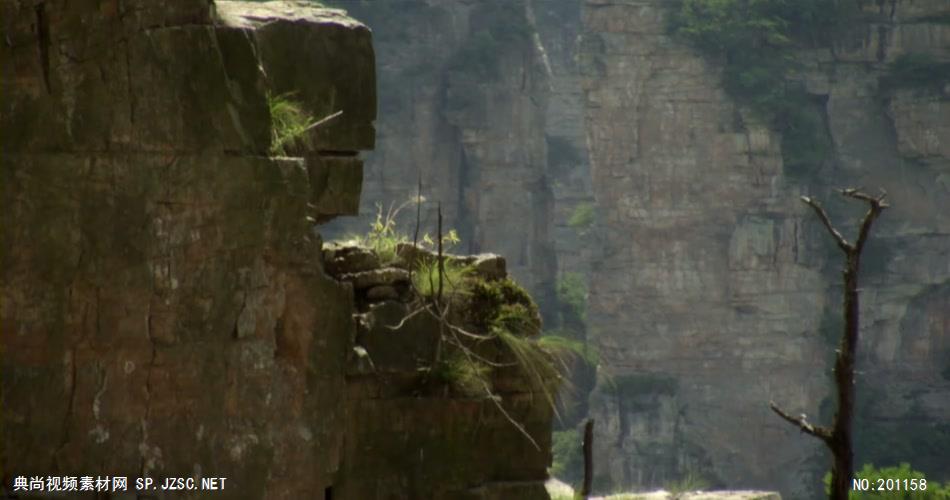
500 303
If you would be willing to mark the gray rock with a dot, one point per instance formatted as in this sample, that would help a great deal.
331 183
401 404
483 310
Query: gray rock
382 292
487 265
349 259
376 277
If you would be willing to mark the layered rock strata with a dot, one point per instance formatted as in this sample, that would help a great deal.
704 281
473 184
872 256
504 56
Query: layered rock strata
464 94
165 309
417 429
718 288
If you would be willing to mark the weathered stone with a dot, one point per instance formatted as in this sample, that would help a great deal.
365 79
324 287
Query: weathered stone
386 276
348 259
486 265
443 445
404 349
334 180
151 233
162 286
382 292
413 256
300 47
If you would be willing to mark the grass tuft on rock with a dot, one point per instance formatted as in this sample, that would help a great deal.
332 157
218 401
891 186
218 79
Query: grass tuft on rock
455 278
465 375
289 124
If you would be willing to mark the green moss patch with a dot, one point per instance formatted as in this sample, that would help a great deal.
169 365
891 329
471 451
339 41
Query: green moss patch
501 303
756 41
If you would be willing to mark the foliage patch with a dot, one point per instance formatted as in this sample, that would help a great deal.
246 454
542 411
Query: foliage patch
582 218
568 458
755 39
289 124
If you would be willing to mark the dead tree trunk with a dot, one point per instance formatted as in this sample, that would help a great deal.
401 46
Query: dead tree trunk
838 438
588 458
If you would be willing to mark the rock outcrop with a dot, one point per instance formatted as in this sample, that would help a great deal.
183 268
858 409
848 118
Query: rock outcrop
465 93
416 426
165 308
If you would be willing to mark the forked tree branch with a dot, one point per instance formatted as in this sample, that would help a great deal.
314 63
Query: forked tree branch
839 437
876 206
801 422
823 216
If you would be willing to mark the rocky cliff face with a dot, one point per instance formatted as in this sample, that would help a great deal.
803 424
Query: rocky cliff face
717 285
165 309
713 289
483 102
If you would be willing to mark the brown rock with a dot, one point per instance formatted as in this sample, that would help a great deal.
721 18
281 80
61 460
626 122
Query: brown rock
349 259
382 292
376 277
486 265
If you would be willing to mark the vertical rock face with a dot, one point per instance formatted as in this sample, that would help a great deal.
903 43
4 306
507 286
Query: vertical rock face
416 424
164 308
466 89
710 296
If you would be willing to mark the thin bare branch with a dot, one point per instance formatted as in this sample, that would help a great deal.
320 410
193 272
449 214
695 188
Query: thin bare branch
415 232
860 195
441 258
323 121
406 318
801 422
496 399
842 243
876 206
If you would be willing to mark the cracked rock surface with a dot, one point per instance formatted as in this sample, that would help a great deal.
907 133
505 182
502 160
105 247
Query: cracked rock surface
164 310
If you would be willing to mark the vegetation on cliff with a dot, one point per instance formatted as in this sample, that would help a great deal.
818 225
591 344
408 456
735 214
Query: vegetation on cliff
756 40
289 124
488 329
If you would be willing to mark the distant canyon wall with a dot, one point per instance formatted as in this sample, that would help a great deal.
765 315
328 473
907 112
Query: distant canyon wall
482 101
719 290
712 288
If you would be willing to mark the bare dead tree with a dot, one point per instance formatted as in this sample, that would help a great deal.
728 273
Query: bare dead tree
838 438
588 447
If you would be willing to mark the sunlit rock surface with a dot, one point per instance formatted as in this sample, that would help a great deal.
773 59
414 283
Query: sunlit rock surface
717 285
165 309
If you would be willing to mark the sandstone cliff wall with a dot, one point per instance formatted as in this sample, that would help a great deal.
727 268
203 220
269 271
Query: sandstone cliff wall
165 310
